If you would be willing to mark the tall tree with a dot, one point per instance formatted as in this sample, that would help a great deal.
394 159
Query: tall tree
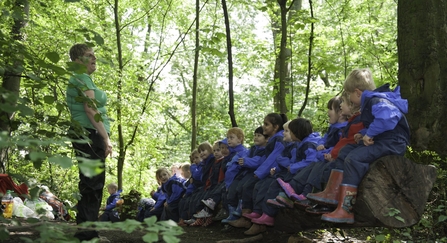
282 72
422 41
194 80
12 75
230 64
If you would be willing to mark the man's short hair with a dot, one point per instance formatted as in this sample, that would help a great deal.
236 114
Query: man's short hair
78 50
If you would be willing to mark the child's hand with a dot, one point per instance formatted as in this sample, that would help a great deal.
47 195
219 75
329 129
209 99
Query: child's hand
272 171
328 157
357 137
241 161
166 204
367 140
320 147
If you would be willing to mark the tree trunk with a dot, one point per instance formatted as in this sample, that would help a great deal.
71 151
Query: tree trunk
282 72
392 194
194 81
121 146
230 65
12 76
422 40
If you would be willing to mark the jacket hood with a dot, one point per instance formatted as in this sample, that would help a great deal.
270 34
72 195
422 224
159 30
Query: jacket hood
393 96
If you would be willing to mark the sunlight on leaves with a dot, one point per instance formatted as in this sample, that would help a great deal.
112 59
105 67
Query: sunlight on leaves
380 238
35 156
150 237
63 161
90 167
170 239
53 56
150 221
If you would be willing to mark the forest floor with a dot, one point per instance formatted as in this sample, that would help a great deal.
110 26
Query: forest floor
208 234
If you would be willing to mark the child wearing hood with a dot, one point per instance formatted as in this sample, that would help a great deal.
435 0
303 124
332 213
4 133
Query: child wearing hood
386 132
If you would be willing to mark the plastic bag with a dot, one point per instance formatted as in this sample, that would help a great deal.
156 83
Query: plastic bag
22 211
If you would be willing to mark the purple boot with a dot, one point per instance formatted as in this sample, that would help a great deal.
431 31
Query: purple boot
286 187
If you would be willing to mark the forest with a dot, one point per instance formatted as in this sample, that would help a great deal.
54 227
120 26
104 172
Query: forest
178 73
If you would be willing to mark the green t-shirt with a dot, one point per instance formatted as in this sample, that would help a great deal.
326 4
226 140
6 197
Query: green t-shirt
77 85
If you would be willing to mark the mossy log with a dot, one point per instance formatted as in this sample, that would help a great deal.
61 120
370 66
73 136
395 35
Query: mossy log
392 194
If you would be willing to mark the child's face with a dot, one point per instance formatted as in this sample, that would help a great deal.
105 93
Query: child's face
186 173
111 190
224 149
345 108
259 140
355 97
196 158
163 177
287 134
233 140
268 128
216 151
204 154
333 115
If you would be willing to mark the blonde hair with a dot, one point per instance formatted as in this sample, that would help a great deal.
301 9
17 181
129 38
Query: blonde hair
352 107
159 171
205 146
238 132
286 124
191 156
359 79
112 186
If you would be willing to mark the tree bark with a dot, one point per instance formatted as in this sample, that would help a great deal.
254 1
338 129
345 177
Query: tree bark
12 76
392 194
194 81
422 54
282 72
230 65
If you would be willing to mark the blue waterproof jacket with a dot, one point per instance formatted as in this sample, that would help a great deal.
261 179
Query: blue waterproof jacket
305 153
173 189
233 166
382 113
273 149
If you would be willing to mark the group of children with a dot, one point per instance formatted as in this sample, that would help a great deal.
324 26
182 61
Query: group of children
288 161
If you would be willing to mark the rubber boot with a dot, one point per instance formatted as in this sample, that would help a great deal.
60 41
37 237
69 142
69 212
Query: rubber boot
343 213
238 211
231 217
256 229
242 222
252 215
330 194
288 189
265 220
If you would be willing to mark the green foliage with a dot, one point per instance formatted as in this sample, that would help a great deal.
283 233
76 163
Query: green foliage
50 232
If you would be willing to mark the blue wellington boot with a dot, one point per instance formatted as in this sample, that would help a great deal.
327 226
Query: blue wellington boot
238 211
231 217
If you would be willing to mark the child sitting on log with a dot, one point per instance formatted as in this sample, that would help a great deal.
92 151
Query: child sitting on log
386 133
110 211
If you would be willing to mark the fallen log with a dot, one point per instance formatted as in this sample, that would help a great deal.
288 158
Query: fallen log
392 194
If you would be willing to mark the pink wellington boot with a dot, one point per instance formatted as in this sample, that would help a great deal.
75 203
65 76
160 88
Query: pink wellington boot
265 220
252 215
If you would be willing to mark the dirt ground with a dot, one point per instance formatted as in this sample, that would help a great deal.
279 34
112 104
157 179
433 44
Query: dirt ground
210 234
